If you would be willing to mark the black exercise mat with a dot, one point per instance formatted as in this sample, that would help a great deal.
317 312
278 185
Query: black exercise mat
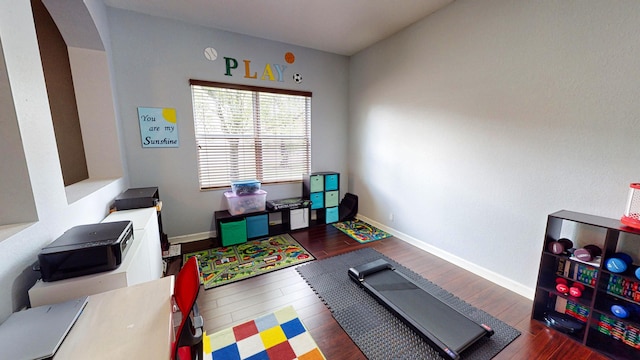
376 331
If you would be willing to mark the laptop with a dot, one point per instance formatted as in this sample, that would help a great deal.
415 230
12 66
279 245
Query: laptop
38 332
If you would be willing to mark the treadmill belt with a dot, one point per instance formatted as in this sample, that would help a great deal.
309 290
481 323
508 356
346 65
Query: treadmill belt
445 328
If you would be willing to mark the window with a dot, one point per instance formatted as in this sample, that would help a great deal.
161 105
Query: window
246 132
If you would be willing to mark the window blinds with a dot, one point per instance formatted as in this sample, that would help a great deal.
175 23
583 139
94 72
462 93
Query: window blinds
247 132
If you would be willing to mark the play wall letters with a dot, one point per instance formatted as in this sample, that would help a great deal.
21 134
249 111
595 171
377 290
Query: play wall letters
250 70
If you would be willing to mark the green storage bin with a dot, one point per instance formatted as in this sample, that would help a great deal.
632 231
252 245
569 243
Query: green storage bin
233 232
316 183
332 198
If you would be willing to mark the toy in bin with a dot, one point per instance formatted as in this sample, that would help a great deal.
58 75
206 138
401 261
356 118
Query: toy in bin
631 215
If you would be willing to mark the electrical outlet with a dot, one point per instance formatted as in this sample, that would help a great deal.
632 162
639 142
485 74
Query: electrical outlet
390 216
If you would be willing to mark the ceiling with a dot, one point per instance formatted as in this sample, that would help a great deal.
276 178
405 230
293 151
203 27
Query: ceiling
338 26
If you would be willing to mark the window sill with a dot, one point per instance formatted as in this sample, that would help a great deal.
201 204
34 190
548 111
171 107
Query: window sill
7 231
84 188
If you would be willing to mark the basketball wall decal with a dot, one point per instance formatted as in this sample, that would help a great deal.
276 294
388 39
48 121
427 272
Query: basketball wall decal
289 57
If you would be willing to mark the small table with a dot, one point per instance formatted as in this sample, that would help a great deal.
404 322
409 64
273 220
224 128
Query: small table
133 322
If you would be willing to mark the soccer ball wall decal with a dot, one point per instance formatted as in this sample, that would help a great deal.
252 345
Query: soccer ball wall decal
297 78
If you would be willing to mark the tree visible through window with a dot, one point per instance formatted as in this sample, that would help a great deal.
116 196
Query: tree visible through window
245 132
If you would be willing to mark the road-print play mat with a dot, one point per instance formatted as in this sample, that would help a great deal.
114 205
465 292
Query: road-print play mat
361 231
228 264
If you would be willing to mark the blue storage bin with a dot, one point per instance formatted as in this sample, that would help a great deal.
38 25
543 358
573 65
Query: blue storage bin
332 215
317 200
331 182
245 187
257 225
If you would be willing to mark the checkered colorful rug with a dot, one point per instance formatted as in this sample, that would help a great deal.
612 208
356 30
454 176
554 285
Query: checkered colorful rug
276 336
361 231
228 264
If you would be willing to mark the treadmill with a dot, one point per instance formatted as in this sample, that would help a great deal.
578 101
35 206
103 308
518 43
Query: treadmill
446 329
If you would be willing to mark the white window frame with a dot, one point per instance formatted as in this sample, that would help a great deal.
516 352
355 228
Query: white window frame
248 140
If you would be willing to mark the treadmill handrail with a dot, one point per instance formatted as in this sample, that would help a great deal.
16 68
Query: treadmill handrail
369 268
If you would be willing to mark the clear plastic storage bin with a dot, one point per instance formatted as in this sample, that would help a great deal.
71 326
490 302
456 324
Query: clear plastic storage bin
243 204
245 187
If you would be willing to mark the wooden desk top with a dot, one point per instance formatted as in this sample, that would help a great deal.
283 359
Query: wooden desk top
134 322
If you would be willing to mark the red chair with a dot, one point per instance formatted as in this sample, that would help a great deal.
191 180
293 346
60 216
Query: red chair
188 344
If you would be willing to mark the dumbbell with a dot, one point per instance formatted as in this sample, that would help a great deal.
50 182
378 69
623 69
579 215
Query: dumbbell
560 246
587 253
575 290
619 262
620 311
626 310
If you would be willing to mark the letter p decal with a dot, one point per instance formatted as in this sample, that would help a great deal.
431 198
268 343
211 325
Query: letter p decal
231 63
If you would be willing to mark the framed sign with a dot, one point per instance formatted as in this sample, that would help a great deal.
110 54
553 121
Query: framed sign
158 127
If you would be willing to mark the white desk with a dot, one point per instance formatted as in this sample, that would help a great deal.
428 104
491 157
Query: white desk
133 322
142 262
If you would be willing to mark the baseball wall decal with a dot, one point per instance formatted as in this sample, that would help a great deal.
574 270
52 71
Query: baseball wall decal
210 53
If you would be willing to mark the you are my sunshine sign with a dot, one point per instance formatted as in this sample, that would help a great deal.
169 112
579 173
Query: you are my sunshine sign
158 127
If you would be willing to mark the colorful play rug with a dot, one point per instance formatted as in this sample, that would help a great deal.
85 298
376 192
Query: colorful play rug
228 264
276 336
361 231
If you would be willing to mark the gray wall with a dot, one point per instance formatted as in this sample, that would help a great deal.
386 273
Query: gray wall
469 127
154 58
474 124
56 207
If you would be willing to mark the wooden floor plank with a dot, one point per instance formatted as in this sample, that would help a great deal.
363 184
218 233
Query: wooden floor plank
234 303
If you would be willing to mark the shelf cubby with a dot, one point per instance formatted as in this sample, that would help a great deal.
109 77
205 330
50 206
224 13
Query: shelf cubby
589 318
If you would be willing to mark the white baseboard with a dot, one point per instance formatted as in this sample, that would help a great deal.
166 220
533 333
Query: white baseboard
494 277
192 237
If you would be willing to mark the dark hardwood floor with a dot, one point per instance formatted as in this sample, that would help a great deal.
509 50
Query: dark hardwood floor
237 302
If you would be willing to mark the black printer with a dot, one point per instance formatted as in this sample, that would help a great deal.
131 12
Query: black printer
86 249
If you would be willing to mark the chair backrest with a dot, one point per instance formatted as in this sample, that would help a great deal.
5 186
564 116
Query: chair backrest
185 293
187 285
